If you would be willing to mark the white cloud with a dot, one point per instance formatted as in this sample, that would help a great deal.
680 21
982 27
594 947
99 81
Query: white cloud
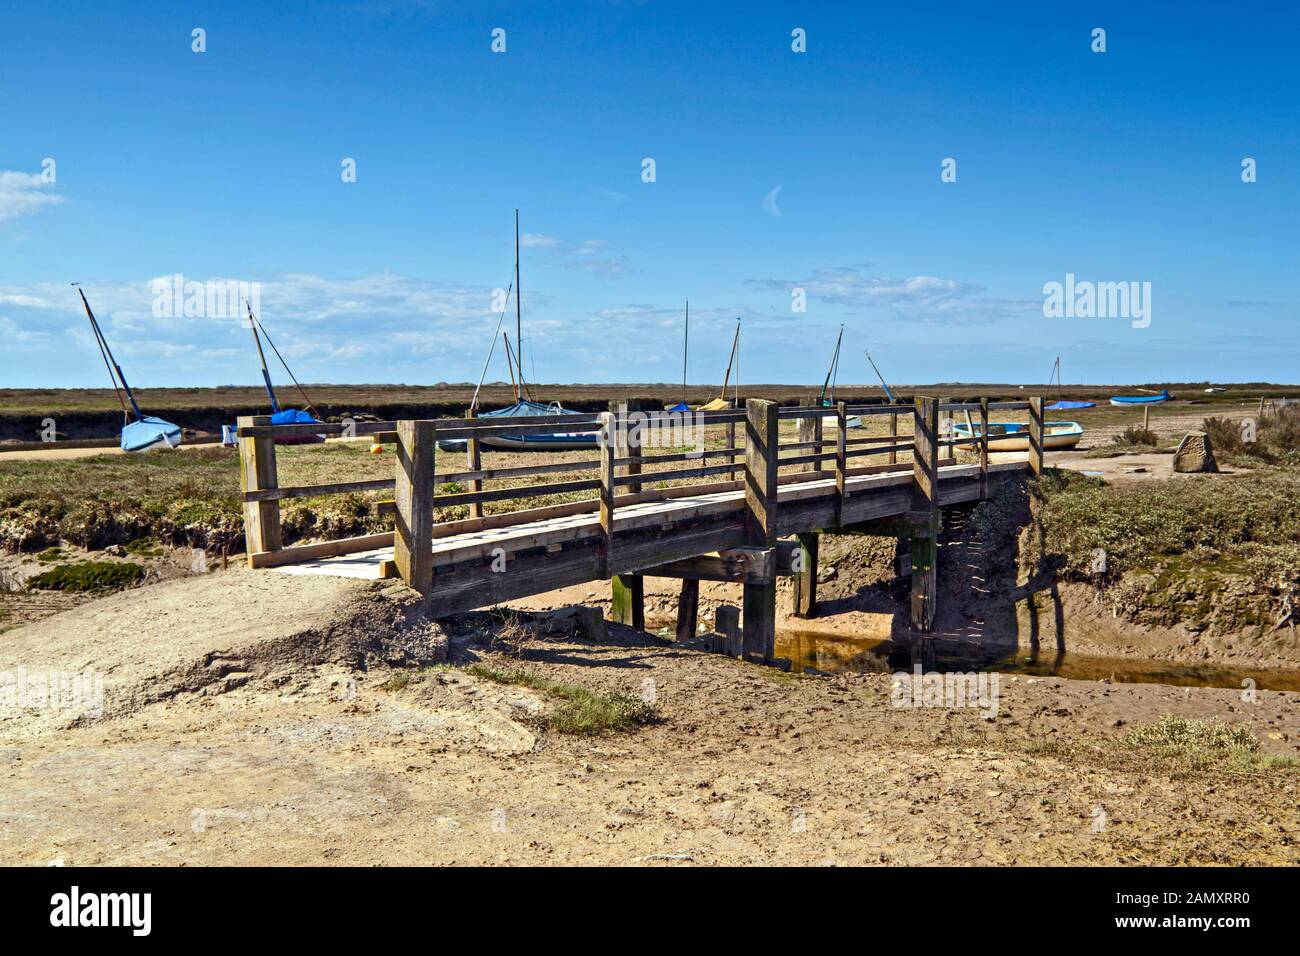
24 194
919 298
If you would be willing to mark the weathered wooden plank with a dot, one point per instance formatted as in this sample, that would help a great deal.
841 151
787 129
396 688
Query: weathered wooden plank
761 448
413 531
311 491
320 549
257 472
925 501
474 462
1036 435
726 621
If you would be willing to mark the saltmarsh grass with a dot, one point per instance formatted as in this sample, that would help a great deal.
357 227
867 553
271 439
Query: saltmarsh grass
578 711
1206 744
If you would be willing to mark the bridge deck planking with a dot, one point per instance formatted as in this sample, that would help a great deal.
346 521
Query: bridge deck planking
644 534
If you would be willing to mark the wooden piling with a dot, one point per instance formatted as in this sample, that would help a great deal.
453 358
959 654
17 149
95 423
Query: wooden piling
984 448
1036 435
805 578
474 462
607 489
726 621
627 600
925 509
841 459
688 609
257 472
761 451
413 493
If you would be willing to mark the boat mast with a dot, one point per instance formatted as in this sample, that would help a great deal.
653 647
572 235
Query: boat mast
835 358
271 342
686 344
735 341
519 335
107 354
892 400
266 373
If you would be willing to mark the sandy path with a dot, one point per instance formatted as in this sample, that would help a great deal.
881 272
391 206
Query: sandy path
305 758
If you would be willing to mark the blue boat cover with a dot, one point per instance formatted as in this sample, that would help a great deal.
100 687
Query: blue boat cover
147 432
1061 406
293 416
679 407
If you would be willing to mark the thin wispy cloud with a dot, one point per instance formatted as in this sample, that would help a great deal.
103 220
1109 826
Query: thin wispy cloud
917 298
24 194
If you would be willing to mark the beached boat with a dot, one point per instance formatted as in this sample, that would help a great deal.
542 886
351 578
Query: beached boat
549 441
141 432
524 406
1014 436
1124 401
279 416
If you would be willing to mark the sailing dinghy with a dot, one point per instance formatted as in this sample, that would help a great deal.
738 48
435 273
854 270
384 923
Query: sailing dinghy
828 401
279 416
142 431
524 406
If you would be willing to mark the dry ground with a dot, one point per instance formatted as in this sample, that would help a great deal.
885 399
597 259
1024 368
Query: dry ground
282 737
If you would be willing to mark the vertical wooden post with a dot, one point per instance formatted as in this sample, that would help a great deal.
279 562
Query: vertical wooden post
731 443
474 461
627 443
893 437
607 456
688 610
1036 435
984 448
726 621
761 451
805 578
841 459
818 434
925 508
257 472
413 527
1146 417
627 600
807 430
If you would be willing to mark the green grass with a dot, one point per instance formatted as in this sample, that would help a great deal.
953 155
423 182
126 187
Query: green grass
578 711
88 576
1206 744
1251 524
50 555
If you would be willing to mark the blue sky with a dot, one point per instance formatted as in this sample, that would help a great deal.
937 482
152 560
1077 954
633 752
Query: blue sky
225 165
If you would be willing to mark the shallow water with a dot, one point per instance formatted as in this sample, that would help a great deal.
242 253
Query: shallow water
837 655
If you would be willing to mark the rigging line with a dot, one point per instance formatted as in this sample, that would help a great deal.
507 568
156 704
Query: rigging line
473 404
103 343
269 342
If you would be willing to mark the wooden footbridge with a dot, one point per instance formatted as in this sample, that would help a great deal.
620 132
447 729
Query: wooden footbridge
746 512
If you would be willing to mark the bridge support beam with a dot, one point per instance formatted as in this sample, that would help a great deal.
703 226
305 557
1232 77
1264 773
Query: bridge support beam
925 517
627 600
805 575
761 450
